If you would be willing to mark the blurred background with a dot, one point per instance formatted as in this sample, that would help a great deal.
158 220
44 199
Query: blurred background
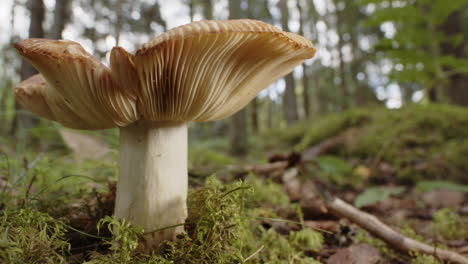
370 52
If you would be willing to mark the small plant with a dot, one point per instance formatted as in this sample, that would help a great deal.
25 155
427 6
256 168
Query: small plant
124 242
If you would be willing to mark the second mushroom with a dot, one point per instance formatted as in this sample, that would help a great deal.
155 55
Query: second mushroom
204 71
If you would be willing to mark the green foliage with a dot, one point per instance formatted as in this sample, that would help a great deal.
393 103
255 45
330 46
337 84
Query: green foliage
426 186
415 49
449 225
28 236
376 194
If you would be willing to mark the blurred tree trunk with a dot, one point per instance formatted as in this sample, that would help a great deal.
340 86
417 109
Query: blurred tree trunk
457 88
305 77
5 91
289 97
238 130
61 18
22 119
207 9
342 71
270 105
251 8
191 10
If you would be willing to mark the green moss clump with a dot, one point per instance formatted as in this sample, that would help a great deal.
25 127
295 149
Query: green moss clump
330 125
418 141
28 236
449 225
306 239
213 225
266 193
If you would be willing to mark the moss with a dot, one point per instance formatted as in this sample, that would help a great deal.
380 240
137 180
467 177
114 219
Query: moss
306 239
418 141
28 236
330 125
424 259
266 193
219 229
449 225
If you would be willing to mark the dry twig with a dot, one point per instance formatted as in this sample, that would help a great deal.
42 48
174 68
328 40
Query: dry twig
374 226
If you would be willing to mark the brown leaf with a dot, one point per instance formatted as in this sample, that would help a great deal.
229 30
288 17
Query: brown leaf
356 254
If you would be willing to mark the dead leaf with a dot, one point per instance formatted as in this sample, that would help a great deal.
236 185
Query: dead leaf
356 254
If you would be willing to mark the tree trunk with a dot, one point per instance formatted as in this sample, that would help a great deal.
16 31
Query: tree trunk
207 9
457 90
254 115
61 17
305 82
342 70
25 120
238 130
289 97
254 104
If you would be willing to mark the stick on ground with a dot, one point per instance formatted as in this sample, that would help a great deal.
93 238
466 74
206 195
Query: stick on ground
377 228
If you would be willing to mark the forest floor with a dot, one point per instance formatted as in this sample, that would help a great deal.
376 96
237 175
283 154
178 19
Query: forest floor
329 191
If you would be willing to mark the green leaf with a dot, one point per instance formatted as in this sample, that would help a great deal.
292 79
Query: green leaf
426 186
376 194
334 165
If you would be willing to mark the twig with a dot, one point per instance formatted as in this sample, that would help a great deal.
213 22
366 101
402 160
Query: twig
327 145
267 168
255 253
27 167
374 226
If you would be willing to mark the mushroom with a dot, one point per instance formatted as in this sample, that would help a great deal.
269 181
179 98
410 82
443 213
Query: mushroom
204 71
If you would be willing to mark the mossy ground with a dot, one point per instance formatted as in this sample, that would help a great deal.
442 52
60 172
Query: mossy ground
55 210
417 141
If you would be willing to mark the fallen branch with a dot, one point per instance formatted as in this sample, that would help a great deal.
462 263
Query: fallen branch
267 168
328 144
377 228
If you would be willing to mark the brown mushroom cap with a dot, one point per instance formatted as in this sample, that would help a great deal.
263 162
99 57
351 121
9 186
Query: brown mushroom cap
202 71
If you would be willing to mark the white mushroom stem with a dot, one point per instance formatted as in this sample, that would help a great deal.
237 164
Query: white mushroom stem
152 185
